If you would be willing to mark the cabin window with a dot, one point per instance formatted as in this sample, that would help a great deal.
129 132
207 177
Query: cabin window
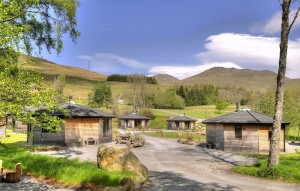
177 124
270 133
105 126
238 132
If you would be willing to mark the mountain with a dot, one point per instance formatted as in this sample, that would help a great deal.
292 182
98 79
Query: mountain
249 79
166 79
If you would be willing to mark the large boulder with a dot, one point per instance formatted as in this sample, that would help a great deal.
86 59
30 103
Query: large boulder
119 158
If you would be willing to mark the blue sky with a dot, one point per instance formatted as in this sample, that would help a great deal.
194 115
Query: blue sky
178 37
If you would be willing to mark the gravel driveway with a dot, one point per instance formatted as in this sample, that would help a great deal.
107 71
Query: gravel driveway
177 167
174 166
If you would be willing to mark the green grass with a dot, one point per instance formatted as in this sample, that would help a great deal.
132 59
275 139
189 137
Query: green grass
174 135
203 112
13 137
68 172
288 168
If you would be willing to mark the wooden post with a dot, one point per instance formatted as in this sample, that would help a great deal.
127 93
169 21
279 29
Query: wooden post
18 172
1 172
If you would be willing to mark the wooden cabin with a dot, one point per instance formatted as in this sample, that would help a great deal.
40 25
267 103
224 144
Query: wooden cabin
181 122
83 126
244 131
133 120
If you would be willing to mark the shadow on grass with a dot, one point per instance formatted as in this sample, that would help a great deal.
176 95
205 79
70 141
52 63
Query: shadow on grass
174 181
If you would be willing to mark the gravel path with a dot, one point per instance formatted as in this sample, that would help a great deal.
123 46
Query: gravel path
29 184
174 166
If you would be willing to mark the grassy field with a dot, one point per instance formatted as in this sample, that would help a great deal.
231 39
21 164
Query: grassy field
203 112
68 172
288 168
174 135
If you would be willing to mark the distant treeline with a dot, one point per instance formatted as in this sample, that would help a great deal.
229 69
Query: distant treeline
126 78
198 95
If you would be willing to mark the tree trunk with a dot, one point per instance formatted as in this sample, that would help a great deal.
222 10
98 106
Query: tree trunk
275 139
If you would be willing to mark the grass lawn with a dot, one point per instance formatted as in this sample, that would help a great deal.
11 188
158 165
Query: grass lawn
288 168
203 112
68 172
174 135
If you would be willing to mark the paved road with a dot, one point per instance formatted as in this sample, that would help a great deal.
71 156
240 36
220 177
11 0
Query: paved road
173 166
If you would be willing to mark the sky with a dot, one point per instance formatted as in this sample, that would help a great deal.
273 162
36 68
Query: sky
178 37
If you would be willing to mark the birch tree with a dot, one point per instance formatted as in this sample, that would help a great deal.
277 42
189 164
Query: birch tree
286 27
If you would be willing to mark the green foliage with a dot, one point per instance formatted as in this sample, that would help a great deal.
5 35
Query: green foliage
126 78
221 106
196 95
101 95
168 100
266 105
24 25
34 23
288 168
117 78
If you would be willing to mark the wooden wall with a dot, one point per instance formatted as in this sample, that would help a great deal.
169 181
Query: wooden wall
79 130
248 143
75 131
39 137
264 142
131 123
215 135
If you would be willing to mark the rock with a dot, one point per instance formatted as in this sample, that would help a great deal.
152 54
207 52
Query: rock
112 188
130 185
116 158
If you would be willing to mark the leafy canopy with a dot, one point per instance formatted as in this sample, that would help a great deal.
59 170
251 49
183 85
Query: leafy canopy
24 26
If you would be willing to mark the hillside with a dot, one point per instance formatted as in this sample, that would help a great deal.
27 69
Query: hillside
79 82
166 79
249 79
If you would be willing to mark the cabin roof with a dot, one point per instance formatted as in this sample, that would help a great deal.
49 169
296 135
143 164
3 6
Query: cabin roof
75 110
244 116
134 116
181 118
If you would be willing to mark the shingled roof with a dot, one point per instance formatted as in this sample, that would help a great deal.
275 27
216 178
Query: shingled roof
244 116
181 118
134 116
75 110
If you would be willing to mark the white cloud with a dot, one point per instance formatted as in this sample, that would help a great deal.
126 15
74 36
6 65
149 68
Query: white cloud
250 51
273 25
182 72
109 63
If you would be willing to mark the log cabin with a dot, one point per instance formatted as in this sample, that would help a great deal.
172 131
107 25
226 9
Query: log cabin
133 120
181 122
83 126
244 131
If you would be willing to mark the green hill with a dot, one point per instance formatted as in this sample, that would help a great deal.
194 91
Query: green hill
79 82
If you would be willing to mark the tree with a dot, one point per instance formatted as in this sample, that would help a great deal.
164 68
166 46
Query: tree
221 106
24 26
273 159
101 95
28 24
138 92
59 85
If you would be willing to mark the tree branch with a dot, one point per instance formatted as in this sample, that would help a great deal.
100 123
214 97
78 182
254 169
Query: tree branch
294 19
